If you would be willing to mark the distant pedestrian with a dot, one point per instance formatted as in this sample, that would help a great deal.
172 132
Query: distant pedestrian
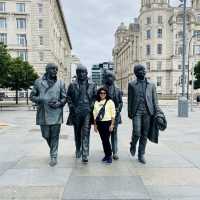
104 118
50 96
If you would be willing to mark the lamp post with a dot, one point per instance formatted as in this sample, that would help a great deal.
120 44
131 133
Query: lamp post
182 101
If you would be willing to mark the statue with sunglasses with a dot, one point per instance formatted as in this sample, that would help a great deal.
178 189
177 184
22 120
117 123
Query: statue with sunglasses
116 95
81 96
50 96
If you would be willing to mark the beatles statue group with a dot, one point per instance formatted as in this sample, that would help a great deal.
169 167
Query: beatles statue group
50 95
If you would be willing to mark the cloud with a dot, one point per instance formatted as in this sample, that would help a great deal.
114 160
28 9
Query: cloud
92 24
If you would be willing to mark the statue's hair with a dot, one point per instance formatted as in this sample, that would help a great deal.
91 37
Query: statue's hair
51 65
81 67
110 73
137 67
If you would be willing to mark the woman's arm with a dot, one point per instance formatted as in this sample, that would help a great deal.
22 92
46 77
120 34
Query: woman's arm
113 114
95 115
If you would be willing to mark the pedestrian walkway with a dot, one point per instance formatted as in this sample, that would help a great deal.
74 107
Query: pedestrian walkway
172 171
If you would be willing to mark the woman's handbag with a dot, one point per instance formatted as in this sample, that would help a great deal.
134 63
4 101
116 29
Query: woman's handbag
101 112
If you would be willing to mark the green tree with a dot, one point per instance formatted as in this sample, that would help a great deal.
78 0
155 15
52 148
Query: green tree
21 75
197 75
5 61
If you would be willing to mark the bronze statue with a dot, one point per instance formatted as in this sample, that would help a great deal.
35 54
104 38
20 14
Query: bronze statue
116 95
142 106
50 96
81 97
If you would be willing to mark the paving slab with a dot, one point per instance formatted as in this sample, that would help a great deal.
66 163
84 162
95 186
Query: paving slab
163 161
35 177
96 167
169 176
31 193
4 166
174 192
31 162
105 188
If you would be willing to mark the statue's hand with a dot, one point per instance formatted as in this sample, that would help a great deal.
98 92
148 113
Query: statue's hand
54 104
130 116
71 109
41 100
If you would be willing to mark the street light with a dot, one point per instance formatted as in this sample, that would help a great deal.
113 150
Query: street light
182 101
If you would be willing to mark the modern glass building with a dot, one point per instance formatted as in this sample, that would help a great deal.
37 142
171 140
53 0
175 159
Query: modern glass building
98 71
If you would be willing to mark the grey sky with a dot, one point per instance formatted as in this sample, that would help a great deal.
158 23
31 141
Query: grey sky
92 24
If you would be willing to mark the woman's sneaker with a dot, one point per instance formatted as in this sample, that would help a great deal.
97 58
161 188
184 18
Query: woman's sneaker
108 160
104 159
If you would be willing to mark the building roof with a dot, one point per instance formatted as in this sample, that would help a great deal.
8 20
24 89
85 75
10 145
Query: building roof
64 23
122 26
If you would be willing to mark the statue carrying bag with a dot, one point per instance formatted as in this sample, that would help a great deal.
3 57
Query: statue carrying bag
101 112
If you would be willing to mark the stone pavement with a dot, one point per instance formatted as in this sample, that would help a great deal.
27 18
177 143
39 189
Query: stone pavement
172 171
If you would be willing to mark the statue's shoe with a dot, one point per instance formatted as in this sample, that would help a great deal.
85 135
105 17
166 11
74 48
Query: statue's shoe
78 154
115 157
53 162
132 150
141 159
85 160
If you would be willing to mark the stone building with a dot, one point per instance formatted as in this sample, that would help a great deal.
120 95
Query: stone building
35 30
155 40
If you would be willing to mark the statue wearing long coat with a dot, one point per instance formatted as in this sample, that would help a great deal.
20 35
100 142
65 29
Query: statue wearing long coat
44 93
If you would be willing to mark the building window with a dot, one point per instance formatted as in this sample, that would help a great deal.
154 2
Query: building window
20 7
40 23
197 34
41 38
21 39
23 55
2 6
198 18
181 79
148 20
41 56
21 23
160 20
159 81
180 51
179 67
148 34
196 49
159 33
3 23
3 38
148 66
159 48
180 34
40 7
159 65
148 49
179 19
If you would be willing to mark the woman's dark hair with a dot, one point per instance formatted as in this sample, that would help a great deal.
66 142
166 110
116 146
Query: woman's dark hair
99 91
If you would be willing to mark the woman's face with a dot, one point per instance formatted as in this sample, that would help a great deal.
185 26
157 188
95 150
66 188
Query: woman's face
102 94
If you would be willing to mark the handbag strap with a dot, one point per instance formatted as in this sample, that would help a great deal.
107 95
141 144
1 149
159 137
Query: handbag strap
104 105
101 109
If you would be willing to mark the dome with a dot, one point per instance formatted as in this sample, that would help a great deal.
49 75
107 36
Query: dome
122 27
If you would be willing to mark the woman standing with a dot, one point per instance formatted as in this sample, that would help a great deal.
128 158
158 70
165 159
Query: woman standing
104 118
